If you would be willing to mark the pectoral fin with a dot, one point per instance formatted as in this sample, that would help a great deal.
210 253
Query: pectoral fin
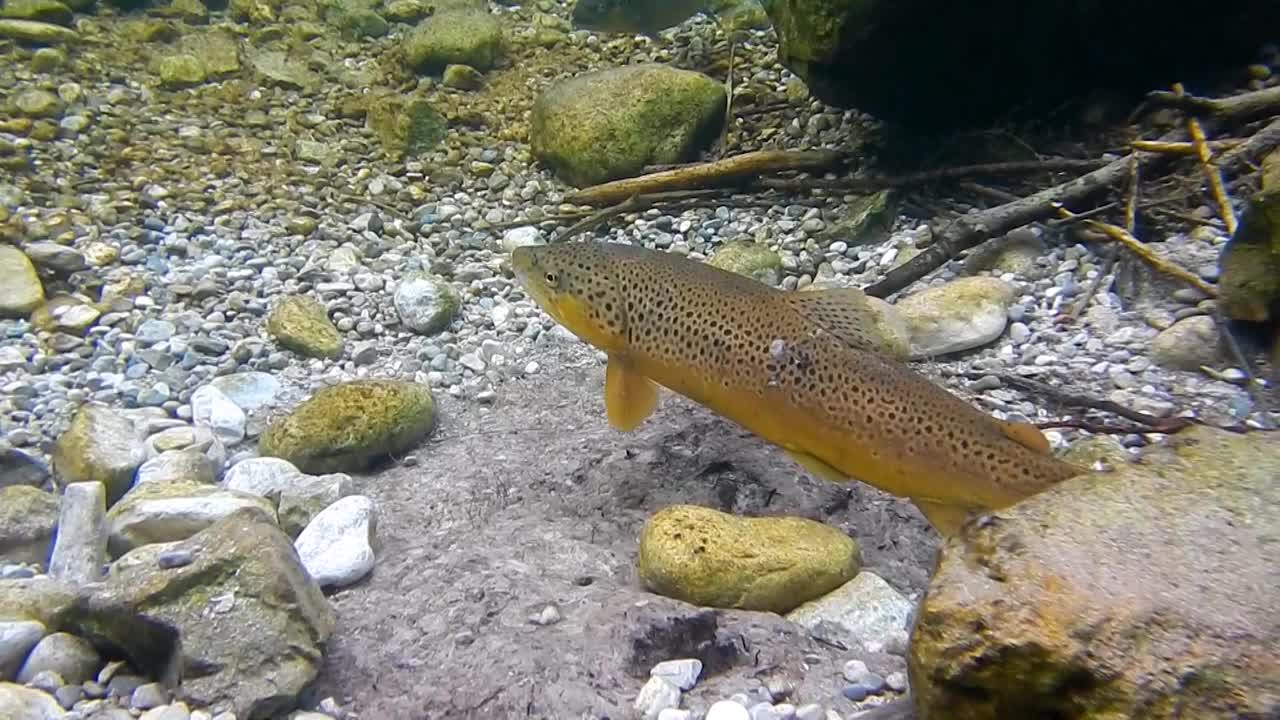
1027 435
946 519
816 467
629 397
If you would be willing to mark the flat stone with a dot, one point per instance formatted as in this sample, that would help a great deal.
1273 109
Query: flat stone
337 546
865 608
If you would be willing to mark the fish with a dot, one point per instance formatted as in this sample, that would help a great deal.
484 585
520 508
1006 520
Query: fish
799 369
646 17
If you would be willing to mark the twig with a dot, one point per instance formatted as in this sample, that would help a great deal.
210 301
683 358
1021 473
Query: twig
1210 172
1130 222
1182 148
728 171
1235 107
880 182
971 229
1146 254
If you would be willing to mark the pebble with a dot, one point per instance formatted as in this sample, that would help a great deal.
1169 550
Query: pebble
17 637
336 546
896 681
727 710
682 673
655 696
146 697
211 408
811 711
72 659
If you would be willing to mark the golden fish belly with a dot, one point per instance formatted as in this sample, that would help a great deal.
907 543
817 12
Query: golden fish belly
876 457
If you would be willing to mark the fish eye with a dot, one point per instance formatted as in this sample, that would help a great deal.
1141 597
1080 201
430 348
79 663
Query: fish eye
551 278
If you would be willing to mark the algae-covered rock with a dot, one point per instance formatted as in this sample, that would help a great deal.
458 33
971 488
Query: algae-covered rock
960 315
866 220
359 22
32 31
301 324
21 292
28 517
608 124
254 11
404 127
706 557
181 70
1249 266
43 599
462 77
159 512
426 304
47 11
350 426
100 445
38 103
464 37
217 50
753 259
1143 592
240 622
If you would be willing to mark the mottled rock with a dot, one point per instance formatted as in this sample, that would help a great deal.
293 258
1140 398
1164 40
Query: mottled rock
165 512
21 292
426 304
352 425
405 127
607 124
1146 591
190 465
463 37
28 517
960 315
745 257
1188 344
301 324
250 621
865 608
100 445
706 557
80 550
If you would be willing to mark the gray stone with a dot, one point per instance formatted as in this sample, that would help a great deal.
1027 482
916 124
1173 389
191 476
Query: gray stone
681 673
72 657
248 390
299 497
148 696
101 445
28 517
960 315
426 304
80 550
188 465
210 407
865 608
164 512
17 637
656 695
22 468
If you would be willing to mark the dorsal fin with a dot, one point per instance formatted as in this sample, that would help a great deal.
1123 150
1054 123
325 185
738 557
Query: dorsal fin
1026 435
849 314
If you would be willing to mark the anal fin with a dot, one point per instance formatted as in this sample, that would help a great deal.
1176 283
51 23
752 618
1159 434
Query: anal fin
1026 435
816 467
629 397
946 519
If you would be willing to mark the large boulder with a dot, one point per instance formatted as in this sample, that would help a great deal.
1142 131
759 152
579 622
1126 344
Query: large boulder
934 64
230 612
101 445
456 36
608 124
1145 592
1250 261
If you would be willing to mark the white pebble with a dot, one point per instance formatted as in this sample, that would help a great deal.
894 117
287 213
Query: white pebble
656 695
681 673
728 710
336 546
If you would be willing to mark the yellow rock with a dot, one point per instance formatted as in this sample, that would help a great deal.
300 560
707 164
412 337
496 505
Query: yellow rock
706 557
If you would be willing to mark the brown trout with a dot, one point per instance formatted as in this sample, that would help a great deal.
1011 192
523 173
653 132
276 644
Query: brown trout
798 369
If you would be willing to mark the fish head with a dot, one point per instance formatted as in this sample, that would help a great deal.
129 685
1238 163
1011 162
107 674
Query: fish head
573 283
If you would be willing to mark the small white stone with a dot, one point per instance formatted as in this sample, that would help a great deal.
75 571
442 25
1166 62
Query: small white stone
897 681
336 547
681 673
210 407
727 710
675 714
656 695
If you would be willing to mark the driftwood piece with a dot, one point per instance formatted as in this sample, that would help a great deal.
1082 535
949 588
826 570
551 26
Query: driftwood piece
969 230
729 171
1211 173
1235 107
872 183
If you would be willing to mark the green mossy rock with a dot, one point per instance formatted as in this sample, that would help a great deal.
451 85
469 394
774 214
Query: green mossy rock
753 259
1249 267
359 23
30 31
28 517
100 445
21 292
181 70
1144 592
706 557
462 37
405 128
609 124
301 324
247 622
350 426
47 11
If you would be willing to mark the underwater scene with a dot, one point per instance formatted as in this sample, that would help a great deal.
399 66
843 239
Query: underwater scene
639 360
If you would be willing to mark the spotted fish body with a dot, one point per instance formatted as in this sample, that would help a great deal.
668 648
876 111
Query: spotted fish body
799 369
